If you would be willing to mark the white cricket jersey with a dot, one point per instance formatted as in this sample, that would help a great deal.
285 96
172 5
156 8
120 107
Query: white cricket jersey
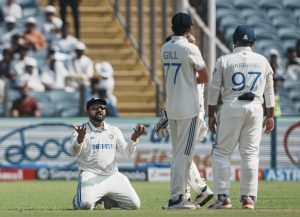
181 60
240 72
97 153
201 98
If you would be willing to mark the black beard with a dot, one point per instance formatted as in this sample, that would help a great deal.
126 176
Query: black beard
98 118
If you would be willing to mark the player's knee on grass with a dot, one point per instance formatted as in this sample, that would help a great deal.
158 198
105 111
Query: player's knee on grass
136 203
133 204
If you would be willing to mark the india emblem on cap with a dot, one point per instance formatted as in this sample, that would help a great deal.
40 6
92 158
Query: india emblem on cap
245 37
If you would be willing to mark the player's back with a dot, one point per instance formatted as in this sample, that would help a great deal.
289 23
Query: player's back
181 88
243 71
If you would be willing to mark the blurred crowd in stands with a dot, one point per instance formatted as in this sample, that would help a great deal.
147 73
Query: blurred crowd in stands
39 54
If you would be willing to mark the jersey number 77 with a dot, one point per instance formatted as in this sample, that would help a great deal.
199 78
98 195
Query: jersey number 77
172 67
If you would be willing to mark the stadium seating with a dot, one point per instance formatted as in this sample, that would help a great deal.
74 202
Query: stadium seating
276 24
275 20
291 4
54 103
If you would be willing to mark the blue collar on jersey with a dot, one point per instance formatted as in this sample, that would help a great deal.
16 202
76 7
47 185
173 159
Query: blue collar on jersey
93 128
238 49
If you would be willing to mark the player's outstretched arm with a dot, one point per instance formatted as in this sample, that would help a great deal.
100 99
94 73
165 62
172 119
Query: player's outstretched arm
81 130
77 139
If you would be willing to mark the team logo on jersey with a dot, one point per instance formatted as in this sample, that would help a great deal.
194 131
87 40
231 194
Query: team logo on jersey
92 137
110 136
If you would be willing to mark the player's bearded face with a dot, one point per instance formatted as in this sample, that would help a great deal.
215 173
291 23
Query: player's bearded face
97 113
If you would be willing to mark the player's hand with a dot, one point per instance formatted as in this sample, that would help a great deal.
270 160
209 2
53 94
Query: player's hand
268 124
212 124
81 130
161 128
191 38
138 131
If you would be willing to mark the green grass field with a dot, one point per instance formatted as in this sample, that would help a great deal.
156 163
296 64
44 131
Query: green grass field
53 198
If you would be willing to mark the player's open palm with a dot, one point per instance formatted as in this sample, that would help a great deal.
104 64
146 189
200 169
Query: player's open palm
81 130
138 131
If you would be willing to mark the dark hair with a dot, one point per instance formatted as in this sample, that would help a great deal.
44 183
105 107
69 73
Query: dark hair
179 31
290 50
243 43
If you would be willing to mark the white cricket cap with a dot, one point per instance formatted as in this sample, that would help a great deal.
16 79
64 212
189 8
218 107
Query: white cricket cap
31 20
50 9
104 69
30 62
273 51
80 46
10 19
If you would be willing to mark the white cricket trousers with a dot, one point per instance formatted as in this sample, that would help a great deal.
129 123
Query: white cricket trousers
92 187
238 123
195 181
183 138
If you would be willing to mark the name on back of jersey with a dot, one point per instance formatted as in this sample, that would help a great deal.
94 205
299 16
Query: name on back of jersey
169 55
245 65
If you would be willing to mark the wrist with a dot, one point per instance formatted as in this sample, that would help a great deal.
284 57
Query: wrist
270 112
80 139
134 138
211 111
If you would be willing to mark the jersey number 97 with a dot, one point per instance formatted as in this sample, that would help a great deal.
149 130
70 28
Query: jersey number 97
239 80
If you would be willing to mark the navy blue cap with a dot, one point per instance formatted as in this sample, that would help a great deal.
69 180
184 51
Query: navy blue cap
182 20
244 33
94 100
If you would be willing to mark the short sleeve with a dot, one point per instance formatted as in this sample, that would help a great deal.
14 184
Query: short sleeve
195 58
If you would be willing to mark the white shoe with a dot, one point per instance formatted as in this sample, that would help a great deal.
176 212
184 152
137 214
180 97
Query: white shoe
202 199
180 204
247 202
223 202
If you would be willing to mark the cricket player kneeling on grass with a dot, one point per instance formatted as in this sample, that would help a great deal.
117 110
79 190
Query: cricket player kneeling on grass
95 145
198 184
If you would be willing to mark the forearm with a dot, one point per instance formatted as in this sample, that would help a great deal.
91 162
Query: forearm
269 92
130 149
77 142
212 110
270 112
202 77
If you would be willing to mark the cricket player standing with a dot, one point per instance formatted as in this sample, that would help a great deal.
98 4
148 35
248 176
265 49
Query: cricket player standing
247 79
195 181
95 145
182 62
